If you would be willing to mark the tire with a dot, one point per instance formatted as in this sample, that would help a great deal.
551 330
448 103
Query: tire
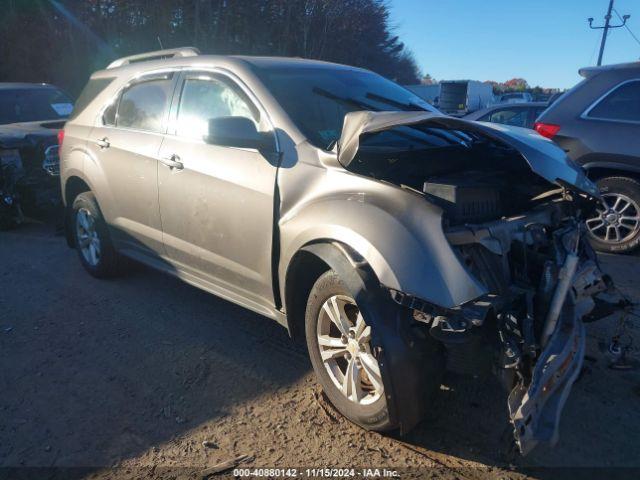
92 239
371 412
612 229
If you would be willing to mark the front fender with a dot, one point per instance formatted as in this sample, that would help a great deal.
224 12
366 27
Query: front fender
398 234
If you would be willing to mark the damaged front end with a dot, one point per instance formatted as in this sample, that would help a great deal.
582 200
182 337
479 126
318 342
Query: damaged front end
543 277
513 209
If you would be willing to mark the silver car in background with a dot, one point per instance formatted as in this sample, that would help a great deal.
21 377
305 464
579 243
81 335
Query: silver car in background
397 241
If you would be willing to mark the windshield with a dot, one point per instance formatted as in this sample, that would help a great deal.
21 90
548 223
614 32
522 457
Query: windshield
33 105
317 98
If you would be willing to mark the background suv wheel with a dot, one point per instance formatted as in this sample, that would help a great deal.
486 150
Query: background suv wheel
615 227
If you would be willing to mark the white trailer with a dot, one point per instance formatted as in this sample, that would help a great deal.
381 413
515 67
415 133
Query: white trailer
460 97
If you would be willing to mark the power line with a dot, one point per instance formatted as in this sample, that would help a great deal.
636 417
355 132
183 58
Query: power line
627 27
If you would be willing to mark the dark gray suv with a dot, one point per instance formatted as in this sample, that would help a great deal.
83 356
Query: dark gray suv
598 124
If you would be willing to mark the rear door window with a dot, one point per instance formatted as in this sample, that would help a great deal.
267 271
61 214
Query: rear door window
621 104
143 106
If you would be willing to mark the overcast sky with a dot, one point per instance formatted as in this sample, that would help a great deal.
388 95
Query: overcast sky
543 41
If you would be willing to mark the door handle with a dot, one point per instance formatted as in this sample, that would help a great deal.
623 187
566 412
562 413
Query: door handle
172 161
103 142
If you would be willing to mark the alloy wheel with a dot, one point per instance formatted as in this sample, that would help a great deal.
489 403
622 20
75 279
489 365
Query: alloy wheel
617 219
87 236
345 349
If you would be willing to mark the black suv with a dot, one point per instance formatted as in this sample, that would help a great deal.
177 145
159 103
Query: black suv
597 123
31 116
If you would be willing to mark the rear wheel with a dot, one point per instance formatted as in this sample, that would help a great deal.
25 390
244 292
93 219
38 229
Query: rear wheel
339 342
92 239
615 227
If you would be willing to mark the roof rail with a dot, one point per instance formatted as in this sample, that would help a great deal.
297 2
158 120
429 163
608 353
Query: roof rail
158 54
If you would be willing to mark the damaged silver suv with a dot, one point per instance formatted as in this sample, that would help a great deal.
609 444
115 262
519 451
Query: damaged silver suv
399 242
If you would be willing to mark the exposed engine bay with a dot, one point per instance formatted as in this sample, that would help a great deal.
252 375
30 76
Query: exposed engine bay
542 276
543 279
522 236
474 180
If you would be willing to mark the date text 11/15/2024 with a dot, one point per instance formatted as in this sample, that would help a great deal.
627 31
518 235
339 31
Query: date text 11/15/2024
316 472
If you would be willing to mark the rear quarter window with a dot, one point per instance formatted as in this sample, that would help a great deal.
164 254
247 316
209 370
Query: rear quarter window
623 104
90 91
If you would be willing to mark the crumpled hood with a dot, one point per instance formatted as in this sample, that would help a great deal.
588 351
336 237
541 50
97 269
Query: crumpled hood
17 134
543 156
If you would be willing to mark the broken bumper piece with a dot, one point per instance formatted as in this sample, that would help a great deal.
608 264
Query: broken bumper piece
535 406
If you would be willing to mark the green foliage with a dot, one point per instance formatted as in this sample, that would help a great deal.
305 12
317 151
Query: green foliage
63 41
519 85
516 85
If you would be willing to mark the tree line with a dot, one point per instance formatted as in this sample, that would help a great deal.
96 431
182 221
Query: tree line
63 41
513 85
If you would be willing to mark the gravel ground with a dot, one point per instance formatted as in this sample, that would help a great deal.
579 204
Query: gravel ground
128 378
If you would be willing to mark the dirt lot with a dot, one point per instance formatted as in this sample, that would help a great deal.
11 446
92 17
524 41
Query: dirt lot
137 373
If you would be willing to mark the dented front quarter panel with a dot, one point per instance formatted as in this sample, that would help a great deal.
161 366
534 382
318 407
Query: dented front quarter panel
396 231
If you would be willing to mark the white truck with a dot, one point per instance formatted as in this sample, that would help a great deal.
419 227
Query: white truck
460 97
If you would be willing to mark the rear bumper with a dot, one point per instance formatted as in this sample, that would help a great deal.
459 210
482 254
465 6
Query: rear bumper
535 406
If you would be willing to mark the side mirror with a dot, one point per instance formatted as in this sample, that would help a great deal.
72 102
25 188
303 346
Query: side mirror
239 132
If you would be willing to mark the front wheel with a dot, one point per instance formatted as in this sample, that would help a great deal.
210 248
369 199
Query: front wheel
339 342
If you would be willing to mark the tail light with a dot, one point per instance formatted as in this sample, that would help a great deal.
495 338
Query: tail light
60 137
548 130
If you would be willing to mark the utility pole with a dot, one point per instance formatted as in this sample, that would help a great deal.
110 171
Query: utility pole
606 27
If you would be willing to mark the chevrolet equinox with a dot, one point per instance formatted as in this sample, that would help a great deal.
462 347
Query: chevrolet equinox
399 242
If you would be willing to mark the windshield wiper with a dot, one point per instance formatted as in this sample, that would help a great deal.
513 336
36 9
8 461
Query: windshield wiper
407 107
346 100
